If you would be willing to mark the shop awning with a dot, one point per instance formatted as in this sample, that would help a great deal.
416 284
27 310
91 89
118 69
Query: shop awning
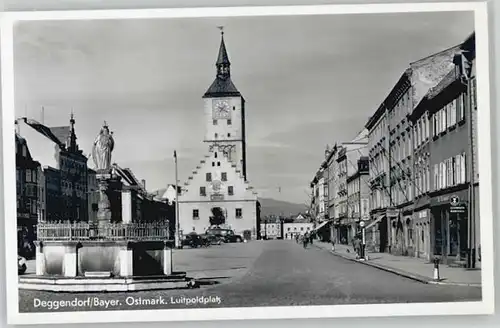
377 220
321 225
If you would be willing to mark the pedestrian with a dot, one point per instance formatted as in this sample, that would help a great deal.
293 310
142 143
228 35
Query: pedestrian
305 239
311 238
357 246
333 244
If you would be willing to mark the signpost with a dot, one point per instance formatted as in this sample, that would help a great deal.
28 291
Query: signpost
456 206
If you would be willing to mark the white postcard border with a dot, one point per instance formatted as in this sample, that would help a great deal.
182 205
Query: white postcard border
486 306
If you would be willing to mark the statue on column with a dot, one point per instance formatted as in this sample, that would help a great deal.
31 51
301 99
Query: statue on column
101 151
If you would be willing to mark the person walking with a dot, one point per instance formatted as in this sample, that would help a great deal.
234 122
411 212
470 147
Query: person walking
357 246
305 240
333 244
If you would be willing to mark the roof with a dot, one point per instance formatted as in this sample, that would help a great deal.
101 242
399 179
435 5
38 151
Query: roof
62 133
222 58
222 88
447 80
44 130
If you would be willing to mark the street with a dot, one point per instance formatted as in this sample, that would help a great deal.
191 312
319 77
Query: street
266 273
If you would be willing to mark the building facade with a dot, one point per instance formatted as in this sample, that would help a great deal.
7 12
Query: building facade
270 229
358 191
393 140
217 192
297 228
27 174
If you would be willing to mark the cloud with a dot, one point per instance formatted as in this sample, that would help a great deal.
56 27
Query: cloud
308 81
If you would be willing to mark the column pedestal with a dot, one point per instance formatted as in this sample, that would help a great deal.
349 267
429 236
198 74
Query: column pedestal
167 260
40 259
70 261
126 262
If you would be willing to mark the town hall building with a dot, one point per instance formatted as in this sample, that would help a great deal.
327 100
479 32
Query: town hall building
218 193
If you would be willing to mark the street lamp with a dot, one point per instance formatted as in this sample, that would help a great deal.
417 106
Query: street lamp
363 239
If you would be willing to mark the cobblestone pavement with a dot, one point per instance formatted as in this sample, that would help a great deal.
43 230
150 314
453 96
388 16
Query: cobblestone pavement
267 273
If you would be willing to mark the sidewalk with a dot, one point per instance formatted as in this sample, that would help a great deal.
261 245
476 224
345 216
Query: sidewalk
413 268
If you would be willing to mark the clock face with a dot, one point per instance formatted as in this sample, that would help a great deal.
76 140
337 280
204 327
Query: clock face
221 110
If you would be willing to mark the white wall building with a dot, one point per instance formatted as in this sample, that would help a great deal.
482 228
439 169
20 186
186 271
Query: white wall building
219 181
292 229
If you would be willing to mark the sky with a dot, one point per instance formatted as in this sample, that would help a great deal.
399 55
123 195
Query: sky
308 81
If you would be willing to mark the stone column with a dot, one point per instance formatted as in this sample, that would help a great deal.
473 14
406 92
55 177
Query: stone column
126 206
104 206
167 259
40 259
70 262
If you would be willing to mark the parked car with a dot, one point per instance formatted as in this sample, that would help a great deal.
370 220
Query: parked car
192 240
21 265
225 235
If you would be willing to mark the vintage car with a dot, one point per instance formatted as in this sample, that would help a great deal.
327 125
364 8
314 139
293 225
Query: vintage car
192 240
224 235
21 264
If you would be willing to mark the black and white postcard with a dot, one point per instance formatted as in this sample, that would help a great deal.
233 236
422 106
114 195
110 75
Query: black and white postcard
247 163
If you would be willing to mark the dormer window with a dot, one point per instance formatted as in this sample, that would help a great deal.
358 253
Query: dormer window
215 155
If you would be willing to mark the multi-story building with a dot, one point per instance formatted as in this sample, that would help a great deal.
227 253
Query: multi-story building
63 185
445 219
358 194
391 145
27 173
332 187
297 227
270 228
219 183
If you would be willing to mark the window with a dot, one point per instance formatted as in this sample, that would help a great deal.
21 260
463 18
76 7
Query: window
460 105
230 190
239 212
216 135
453 106
462 168
301 228
28 175
208 177
213 164
436 176
224 176
448 115
203 191
215 154
229 122
229 135
215 122
196 214
24 151
218 163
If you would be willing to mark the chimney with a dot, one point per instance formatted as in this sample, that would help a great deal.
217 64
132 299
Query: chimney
18 128
143 184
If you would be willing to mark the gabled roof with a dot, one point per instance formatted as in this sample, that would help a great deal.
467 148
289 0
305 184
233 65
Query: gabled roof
62 133
44 130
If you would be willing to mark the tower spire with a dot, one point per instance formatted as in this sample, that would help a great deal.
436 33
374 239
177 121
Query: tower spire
222 86
73 147
222 63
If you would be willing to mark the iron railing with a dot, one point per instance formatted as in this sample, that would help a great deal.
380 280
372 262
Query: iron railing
75 231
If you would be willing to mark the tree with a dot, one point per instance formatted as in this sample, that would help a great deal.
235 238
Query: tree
217 217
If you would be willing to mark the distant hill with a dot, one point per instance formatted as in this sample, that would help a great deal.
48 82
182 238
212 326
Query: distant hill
277 207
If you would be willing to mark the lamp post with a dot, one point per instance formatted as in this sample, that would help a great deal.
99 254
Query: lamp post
177 219
363 239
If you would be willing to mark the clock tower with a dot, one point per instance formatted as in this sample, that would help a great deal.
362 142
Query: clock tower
217 194
224 108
